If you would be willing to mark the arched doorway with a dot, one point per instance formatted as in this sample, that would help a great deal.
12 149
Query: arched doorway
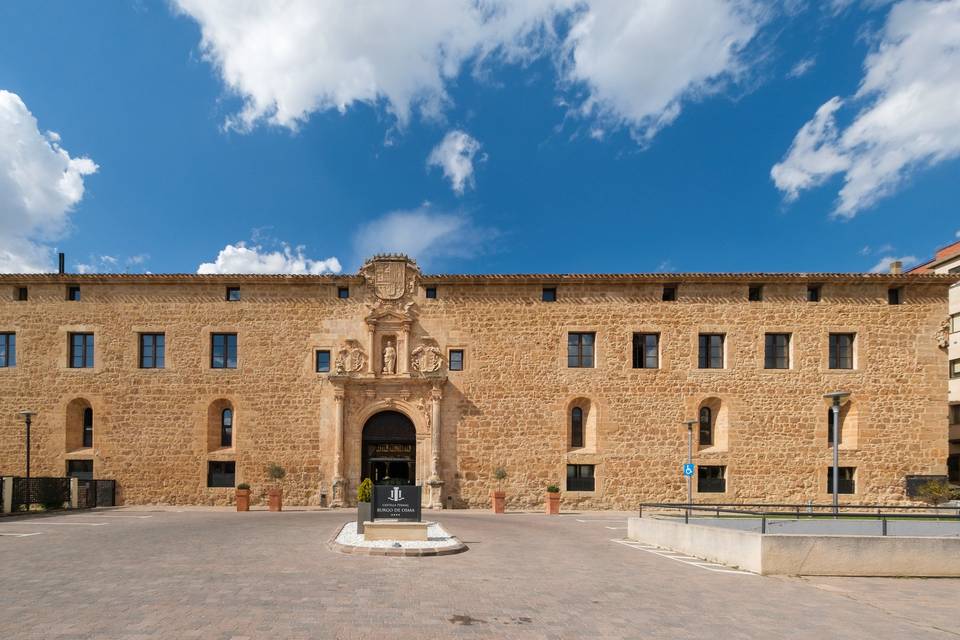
389 453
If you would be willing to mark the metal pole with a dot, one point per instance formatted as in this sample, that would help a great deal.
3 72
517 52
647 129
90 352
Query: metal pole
836 456
689 461
28 446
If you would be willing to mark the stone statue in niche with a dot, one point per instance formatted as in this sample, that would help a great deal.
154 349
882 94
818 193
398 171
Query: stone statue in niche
427 358
389 359
350 359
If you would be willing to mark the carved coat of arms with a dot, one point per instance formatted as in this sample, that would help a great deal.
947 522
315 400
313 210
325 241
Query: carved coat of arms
426 359
389 279
350 359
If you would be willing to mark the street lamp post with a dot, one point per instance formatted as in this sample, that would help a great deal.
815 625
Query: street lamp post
690 424
27 416
837 397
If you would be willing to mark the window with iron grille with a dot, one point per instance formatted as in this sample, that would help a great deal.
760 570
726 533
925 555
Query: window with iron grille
813 293
705 437
711 350
80 469
755 293
73 293
226 427
152 350
847 482
87 428
576 427
431 292
323 361
549 294
841 350
776 351
455 360
223 351
233 294
343 292
580 350
81 350
711 479
221 473
8 350
580 477
646 351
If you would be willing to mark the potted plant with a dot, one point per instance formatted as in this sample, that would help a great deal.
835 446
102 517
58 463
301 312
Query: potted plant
243 497
275 494
364 494
553 500
499 497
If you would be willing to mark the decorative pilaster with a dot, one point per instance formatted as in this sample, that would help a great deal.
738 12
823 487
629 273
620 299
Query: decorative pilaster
403 350
374 356
434 482
339 483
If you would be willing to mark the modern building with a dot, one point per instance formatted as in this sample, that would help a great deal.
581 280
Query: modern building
180 386
947 260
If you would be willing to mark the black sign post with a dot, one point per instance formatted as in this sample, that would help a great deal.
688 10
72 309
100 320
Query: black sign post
396 502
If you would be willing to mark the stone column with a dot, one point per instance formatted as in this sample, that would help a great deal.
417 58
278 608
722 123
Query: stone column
403 350
435 483
372 355
338 486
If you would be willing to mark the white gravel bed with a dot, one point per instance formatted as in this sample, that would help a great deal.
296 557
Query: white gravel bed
437 538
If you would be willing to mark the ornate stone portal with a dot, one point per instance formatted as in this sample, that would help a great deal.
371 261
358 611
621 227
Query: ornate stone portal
395 370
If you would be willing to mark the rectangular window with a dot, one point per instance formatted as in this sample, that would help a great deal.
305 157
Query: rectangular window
152 349
755 293
955 323
669 293
776 351
81 350
22 294
549 294
233 294
323 361
841 350
431 293
8 350
847 483
343 292
580 350
580 477
813 293
646 351
894 295
456 360
81 469
711 479
955 414
223 351
221 474
73 293
711 351
955 369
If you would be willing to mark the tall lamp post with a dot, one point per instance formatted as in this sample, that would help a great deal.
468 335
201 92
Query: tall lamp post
27 416
690 424
838 397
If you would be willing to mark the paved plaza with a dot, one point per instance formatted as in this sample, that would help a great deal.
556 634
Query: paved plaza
139 574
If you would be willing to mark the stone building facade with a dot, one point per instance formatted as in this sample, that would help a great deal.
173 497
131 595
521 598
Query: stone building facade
172 383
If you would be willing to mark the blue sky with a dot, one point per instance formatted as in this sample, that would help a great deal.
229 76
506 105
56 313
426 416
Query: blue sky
580 137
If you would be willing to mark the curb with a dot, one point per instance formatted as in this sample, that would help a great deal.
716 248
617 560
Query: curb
391 552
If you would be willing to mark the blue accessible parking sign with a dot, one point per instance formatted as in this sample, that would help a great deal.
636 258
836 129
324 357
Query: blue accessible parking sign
688 469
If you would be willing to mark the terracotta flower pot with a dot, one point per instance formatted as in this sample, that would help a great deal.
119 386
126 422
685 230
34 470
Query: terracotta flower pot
553 504
243 499
275 499
499 498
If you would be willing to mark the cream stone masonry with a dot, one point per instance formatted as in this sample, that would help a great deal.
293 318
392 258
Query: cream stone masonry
510 405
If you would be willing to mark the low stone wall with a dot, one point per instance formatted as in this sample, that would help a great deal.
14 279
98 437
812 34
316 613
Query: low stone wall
796 554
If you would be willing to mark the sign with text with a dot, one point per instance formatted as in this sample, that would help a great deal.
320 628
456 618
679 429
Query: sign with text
396 502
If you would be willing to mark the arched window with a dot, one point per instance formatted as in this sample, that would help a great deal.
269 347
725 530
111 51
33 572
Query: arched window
226 428
576 427
706 426
87 428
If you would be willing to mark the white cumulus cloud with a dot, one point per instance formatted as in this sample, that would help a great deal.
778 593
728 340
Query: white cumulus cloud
630 63
40 184
908 118
455 155
884 265
424 234
802 67
240 258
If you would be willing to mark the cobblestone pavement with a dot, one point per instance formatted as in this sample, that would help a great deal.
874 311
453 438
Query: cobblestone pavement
224 575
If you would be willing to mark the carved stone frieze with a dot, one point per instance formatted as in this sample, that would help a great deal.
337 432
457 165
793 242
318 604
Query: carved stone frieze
350 359
427 358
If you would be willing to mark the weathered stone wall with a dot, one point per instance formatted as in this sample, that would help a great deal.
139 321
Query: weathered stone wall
510 405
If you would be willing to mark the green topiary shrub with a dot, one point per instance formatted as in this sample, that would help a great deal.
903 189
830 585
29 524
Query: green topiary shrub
243 485
499 474
553 489
365 490
276 472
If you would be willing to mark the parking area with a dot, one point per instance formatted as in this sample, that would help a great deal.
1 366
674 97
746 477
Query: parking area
167 573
